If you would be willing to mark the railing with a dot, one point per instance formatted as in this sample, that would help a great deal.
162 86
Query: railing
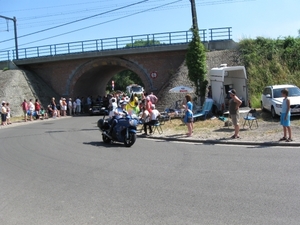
4 55
117 43
217 34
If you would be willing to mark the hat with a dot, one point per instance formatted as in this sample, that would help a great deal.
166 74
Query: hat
232 91
3 102
148 98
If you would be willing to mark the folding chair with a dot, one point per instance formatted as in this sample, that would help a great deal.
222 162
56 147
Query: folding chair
157 126
206 110
251 117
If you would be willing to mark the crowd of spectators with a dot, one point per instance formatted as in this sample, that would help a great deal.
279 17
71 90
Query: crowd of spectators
32 110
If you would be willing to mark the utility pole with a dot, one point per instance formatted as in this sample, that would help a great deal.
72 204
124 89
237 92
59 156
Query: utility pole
15 29
194 15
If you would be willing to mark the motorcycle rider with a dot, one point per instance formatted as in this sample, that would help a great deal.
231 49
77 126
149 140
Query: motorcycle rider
119 112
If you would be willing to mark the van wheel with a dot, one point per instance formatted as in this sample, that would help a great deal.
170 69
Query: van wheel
273 113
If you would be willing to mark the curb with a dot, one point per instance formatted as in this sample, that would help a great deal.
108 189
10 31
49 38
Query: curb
193 140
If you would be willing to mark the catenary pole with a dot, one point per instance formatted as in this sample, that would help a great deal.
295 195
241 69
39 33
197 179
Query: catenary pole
15 31
194 15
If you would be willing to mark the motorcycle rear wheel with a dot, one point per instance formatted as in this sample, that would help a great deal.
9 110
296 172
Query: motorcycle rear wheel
130 140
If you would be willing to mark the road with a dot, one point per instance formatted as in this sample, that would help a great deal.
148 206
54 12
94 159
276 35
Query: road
58 171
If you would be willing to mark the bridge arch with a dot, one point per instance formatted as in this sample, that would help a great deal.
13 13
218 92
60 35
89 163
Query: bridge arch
91 77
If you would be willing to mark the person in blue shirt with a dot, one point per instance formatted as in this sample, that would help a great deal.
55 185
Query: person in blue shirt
285 116
188 118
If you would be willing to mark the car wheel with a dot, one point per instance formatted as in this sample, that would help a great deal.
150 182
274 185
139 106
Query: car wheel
262 106
273 113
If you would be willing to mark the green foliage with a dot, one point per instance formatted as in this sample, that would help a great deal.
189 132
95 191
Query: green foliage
270 62
141 43
5 68
196 63
123 79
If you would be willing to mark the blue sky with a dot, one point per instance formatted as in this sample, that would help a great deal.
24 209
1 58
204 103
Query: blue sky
248 19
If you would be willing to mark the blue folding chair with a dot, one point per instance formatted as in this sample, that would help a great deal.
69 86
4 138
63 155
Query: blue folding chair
251 117
205 111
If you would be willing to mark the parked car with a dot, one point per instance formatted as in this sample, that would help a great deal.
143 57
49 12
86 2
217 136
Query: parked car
271 99
98 110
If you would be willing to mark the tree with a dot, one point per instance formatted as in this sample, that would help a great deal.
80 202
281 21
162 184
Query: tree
141 43
196 63
123 79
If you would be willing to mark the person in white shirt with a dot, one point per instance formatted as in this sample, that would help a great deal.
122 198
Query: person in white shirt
153 119
78 105
114 106
31 109
74 107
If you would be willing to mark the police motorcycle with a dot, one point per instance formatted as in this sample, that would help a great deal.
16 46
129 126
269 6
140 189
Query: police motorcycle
124 130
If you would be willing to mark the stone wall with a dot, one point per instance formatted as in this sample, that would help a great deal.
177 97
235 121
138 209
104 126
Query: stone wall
214 59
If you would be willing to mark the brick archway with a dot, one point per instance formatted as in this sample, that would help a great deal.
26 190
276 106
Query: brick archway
92 77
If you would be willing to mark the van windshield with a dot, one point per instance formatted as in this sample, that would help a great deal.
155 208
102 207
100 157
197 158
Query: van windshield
136 89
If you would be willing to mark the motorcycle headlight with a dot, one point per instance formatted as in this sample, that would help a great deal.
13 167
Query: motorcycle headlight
133 122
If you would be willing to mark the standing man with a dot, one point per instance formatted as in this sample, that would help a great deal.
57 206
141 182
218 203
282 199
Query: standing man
234 105
78 105
24 106
153 98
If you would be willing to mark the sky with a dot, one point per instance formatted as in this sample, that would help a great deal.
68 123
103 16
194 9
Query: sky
47 22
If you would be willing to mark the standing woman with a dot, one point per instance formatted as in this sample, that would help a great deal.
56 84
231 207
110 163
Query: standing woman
188 118
234 105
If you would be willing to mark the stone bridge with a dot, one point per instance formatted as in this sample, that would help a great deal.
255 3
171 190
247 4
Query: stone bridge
84 74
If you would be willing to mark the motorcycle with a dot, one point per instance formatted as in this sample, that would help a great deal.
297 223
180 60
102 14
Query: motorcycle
124 131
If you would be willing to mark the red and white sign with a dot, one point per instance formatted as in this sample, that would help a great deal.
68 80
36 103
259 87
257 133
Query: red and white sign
153 75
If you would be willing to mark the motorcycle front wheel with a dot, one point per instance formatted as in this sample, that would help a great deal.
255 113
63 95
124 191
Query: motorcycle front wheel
106 139
128 142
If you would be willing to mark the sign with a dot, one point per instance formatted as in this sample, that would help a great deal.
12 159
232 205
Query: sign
153 75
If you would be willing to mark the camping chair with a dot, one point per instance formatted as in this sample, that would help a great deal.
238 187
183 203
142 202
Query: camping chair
251 117
157 126
206 110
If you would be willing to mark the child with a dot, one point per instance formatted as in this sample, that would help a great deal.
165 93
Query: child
285 117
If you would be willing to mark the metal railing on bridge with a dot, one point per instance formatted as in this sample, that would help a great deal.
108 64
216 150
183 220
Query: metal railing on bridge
117 43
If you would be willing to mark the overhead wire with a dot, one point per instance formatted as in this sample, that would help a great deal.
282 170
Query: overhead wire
89 17
102 22
132 12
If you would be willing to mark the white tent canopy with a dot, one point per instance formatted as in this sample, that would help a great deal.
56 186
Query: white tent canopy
181 89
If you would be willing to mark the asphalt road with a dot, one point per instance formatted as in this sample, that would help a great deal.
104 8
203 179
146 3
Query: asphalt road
59 172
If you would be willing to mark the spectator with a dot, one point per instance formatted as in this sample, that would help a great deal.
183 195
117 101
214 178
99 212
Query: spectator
153 119
188 118
37 107
54 111
30 109
8 113
3 114
64 107
234 104
285 116
43 114
74 107
24 106
70 107
153 98
78 105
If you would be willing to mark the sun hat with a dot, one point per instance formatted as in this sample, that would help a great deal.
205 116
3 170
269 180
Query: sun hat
232 91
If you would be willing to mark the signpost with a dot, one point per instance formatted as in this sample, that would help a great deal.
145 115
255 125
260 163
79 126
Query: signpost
153 75
112 85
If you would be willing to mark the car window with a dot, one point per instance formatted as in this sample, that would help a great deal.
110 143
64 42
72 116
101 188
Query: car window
266 91
277 93
294 91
